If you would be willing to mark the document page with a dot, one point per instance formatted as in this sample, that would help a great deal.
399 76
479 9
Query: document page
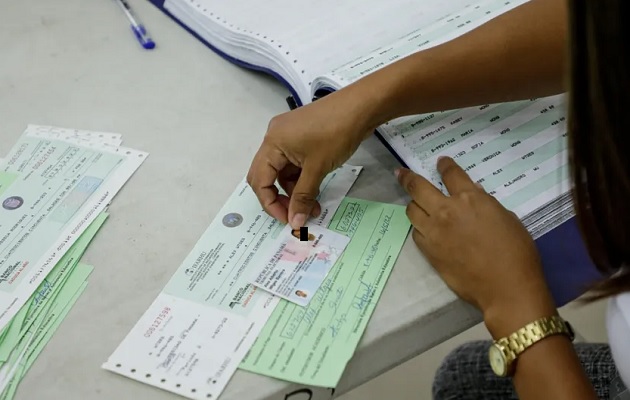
192 338
50 192
517 151
453 22
312 345
303 40
16 330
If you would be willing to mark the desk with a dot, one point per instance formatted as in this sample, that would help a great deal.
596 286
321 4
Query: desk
75 64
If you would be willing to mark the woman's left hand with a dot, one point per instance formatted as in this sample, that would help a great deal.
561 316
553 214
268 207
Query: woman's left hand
482 251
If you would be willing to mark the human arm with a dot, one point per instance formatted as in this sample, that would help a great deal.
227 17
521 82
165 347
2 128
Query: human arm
551 369
485 255
517 55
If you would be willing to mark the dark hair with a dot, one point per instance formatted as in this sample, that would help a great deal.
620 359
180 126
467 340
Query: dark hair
599 135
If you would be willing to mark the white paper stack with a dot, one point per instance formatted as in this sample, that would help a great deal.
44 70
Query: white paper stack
55 186
300 41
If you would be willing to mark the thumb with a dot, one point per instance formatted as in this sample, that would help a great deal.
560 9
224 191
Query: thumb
304 196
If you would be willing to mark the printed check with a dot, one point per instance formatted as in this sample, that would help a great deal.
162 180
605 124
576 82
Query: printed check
193 337
50 192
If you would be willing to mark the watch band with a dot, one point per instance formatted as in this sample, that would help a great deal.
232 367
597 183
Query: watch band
533 332
512 346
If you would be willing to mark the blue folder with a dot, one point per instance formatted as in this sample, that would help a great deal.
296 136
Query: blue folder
568 268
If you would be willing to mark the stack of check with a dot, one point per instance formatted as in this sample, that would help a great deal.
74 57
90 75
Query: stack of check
55 186
253 295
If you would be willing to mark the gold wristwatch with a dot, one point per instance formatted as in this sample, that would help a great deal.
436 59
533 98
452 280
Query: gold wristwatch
504 352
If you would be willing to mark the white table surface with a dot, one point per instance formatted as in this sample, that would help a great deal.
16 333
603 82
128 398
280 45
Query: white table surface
75 64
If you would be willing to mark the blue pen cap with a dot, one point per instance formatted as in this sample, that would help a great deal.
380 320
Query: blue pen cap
143 37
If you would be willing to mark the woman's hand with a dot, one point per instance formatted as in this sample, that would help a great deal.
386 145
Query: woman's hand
481 250
301 147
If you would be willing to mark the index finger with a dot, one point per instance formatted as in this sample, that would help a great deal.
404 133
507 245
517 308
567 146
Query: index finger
423 192
262 177
454 177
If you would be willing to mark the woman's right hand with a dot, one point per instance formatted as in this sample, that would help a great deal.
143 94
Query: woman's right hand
301 147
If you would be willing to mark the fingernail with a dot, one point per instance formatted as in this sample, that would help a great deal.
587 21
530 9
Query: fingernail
437 164
397 172
299 220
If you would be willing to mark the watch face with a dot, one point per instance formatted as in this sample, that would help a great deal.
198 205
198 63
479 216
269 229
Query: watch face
497 360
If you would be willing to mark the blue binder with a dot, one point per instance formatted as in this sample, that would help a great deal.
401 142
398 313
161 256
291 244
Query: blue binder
567 266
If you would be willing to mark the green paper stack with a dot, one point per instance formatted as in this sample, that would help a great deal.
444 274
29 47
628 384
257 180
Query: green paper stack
25 337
